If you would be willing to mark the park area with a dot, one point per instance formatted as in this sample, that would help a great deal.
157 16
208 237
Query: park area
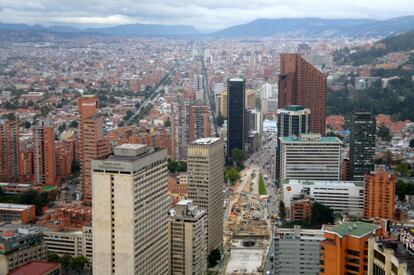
262 186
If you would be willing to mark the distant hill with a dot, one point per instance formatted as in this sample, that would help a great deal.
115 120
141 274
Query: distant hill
121 30
317 26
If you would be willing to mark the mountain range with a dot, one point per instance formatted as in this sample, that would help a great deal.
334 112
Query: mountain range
256 28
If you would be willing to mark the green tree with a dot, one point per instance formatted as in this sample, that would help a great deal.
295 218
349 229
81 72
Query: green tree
238 156
403 168
232 175
214 258
52 257
78 263
282 210
403 188
384 133
220 120
321 214
66 261
44 110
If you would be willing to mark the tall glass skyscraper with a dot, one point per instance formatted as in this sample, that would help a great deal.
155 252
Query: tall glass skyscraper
236 114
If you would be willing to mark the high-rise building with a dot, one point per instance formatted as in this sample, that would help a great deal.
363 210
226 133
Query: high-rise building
200 125
181 128
130 211
300 83
250 99
205 169
224 104
187 230
236 115
292 121
44 153
9 150
345 248
310 157
297 251
379 189
362 146
92 144
256 121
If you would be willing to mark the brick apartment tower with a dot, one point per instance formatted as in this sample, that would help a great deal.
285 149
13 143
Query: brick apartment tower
181 128
44 153
9 150
300 83
379 190
200 126
92 144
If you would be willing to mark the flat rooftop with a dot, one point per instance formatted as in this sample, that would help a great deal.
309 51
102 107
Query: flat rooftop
323 182
354 229
14 207
239 79
205 141
244 261
319 140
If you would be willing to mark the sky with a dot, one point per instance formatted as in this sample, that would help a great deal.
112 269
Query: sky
205 15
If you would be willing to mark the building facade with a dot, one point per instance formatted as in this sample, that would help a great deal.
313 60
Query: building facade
9 150
310 157
92 144
297 251
22 213
200 125
130 210
362 145
181 128
187 230
379 195
205 170
300 83
236 115
44 153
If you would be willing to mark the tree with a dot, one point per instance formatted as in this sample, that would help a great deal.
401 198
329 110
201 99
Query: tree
403 168
66 261
78 263
177 166
220 120
52 257
403 188
388 158
214 258
321 214
384 133
238 156
44 110
232 175
412 143
73 124
282 210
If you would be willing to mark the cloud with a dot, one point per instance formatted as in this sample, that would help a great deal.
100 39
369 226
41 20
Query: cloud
203 14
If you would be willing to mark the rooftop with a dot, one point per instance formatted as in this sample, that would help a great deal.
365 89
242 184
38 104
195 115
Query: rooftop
354 229
239 79
35 268
323 182
314 139
15 207
205 141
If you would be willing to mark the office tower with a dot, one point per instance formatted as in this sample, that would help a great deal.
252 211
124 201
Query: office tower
292 121
379 189
187 230
310 157
250 99
92 144
198 83
130 211
269 105
181 128
9 149
256 121
44 153
205 170
344 250
300 83
236 115
362 146
297 251
200 125
343 197
224 104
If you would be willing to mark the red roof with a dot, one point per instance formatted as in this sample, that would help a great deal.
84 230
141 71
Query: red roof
35 268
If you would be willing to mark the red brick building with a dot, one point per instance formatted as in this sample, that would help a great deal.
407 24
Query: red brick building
9 150
300 83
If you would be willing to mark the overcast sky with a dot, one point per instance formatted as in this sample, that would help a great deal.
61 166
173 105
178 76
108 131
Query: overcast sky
203 14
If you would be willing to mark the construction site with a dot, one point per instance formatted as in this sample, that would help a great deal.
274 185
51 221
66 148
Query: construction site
66 218
247 227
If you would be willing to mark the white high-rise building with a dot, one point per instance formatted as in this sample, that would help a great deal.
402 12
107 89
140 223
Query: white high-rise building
310 157
130 211
205 170
187 227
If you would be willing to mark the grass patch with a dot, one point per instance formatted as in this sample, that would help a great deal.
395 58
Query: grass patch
262 186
